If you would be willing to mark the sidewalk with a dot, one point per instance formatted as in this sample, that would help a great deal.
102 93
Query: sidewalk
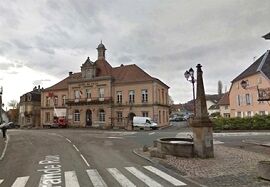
230 167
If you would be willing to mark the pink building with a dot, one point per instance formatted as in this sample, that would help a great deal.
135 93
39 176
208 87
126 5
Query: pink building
243 93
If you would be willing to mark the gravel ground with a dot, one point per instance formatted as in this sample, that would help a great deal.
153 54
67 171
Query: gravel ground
230 167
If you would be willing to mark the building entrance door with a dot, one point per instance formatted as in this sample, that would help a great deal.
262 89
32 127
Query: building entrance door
88 119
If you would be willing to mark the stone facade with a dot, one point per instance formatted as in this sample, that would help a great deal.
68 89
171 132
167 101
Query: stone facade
106 97
29 108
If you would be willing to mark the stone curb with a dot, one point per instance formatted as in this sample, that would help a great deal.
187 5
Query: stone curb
160 163
257 143
5 148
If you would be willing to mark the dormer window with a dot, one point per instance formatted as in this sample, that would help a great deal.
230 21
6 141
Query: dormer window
88 69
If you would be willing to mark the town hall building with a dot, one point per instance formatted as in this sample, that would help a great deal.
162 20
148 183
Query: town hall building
105 96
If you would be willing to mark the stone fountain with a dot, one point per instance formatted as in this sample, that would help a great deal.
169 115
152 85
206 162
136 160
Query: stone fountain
201 145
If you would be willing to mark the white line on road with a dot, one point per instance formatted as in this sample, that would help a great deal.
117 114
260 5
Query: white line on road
115 137
96 178
147 180
68 140
1 180
165 176
120 177
151 133
85 160
5 148
71 179
76 148
20 182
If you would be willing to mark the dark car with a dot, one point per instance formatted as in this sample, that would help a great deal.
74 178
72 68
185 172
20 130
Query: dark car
12 125
177 119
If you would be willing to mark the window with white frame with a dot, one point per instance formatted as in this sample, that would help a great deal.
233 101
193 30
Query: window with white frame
63 100
262 112
77 94
47 101
144 96
88 93
239 114
248 99
102 115
119 116
249 114
131 96
238 100
119 96
101 92
145 114
55 100
76 116
47 117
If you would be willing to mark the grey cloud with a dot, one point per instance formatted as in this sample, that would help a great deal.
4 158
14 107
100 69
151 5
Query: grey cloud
39 82
124 59
21 44
12 72
6 65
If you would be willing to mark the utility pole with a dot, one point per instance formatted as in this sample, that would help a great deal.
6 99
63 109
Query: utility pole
1 92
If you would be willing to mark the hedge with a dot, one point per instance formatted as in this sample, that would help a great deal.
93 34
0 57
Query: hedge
257 122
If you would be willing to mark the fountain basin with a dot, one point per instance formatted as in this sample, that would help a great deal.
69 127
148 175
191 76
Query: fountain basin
181 147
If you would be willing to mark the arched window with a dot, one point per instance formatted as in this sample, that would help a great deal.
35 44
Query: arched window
102 115
76 115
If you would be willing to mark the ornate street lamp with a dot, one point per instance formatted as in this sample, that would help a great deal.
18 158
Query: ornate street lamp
244 84
189 75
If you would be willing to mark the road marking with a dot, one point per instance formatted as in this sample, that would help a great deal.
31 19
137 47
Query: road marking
216 142
85 160
165 176
120 177
68 140
20 182
151 133
147 180
1 180
76 148
96 178
5 148
114 137
71 179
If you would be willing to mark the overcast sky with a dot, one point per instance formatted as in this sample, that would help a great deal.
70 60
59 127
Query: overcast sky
41 41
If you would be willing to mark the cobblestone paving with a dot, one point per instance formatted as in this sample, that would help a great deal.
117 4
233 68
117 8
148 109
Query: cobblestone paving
230 167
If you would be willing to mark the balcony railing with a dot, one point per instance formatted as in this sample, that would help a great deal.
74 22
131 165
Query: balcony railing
92 100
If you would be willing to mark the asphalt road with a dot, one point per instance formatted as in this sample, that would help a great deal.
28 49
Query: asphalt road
80 157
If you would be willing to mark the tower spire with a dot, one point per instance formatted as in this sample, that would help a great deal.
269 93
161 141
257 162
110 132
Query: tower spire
101 51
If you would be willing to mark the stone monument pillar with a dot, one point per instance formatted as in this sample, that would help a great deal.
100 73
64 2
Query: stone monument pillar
201 125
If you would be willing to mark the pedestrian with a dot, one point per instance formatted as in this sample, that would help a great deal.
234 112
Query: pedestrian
4 129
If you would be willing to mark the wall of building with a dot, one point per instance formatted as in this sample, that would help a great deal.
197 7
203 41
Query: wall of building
48 104
225 110
240 105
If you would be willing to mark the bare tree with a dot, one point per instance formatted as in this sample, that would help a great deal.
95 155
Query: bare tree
219 87
170 100
13 104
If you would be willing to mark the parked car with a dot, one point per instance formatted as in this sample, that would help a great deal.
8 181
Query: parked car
144 122
12 125
177 119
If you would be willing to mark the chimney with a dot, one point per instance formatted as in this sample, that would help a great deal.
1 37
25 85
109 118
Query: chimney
70 73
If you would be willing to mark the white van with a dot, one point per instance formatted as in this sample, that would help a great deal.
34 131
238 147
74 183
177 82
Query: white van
144 122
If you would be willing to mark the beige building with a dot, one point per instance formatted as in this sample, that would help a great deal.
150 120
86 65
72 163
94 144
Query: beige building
29 108
224 106
105 96
244 89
